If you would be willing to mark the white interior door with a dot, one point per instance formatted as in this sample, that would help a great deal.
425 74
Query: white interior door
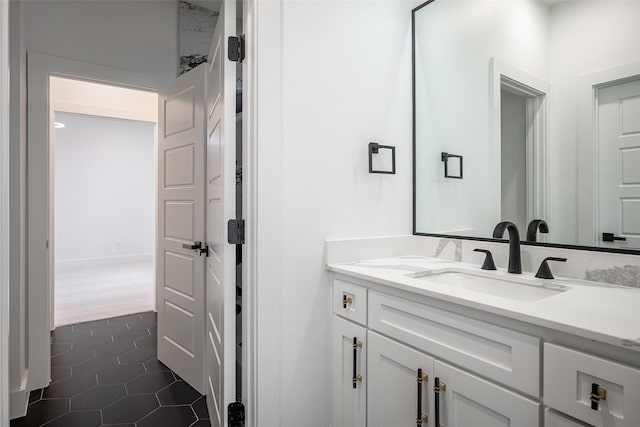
220 366
619 163
180 293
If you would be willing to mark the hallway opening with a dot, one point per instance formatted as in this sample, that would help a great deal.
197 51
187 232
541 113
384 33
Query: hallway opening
103 176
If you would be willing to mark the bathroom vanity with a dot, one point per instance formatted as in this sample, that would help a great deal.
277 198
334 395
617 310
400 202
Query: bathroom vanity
418 340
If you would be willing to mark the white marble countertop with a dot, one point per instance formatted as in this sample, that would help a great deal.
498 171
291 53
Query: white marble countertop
601 312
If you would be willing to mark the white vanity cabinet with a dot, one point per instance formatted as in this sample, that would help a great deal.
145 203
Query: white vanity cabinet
493 376
349 379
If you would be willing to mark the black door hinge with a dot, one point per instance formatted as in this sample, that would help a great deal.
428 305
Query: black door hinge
236 48
236 414
236 232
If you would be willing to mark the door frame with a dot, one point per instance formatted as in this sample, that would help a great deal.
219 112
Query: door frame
39 259
537 93
4 213
588 172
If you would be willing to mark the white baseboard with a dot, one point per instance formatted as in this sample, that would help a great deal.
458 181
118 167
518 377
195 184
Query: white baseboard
106 260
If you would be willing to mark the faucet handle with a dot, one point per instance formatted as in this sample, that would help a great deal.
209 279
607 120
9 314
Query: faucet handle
488 260
544 272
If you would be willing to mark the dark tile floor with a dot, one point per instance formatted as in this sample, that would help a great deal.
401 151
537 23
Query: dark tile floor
105 373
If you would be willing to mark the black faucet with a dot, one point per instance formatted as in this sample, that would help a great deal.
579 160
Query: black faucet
533 227
515 265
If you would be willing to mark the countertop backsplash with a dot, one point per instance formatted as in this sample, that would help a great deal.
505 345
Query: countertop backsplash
606 267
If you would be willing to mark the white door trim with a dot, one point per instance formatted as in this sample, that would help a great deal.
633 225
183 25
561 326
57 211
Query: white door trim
588 223
4 213
249 206
538 93
39 260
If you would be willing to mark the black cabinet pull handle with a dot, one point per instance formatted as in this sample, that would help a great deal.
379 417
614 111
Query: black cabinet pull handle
420 417
355 377
346 301
437 388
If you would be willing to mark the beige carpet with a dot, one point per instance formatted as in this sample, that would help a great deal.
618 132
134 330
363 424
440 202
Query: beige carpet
98 289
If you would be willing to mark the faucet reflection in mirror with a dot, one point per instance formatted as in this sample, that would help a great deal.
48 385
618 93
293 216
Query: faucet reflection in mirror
521 87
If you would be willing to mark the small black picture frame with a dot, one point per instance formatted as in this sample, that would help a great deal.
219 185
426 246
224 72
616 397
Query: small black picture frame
445 158
374 148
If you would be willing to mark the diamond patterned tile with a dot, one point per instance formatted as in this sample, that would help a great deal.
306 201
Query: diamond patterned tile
138 355
60 372
41 412
108 330
114 348
200 408
123 319
77 419
72 357
129 409
69 386
65 334
94 366
147 341
58 348
35 395
170 416
178 393
155 365
130 334
150 382
90 343
119 374
105 373
88 325
98 397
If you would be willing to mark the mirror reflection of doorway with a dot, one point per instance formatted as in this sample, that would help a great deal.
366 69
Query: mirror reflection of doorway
522 153
103 207
618 133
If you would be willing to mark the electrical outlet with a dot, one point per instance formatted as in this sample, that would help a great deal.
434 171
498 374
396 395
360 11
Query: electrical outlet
118 245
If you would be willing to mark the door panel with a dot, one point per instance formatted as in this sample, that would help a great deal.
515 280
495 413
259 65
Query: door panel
472 401
619 163
181 204
220 367
392 395
349 402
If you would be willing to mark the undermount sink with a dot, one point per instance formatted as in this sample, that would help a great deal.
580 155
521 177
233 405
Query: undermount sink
510 289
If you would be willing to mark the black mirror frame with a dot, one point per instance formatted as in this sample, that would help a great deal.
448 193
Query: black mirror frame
413 160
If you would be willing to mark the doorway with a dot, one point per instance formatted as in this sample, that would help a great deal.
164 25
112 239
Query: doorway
102 200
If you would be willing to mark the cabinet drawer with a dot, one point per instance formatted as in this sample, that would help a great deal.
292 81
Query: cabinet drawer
350 301
568 379
552 419
500 354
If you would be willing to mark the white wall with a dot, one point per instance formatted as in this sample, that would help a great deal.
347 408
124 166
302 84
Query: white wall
455 41
599 35
513 159
104 188
345 81
136 35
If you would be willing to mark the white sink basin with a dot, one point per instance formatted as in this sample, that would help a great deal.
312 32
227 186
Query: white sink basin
509 289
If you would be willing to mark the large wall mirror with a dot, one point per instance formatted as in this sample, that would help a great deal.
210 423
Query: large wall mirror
528 110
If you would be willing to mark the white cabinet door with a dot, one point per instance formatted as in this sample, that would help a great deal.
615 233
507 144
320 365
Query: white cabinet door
468 400
392 386
181 226
349 396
